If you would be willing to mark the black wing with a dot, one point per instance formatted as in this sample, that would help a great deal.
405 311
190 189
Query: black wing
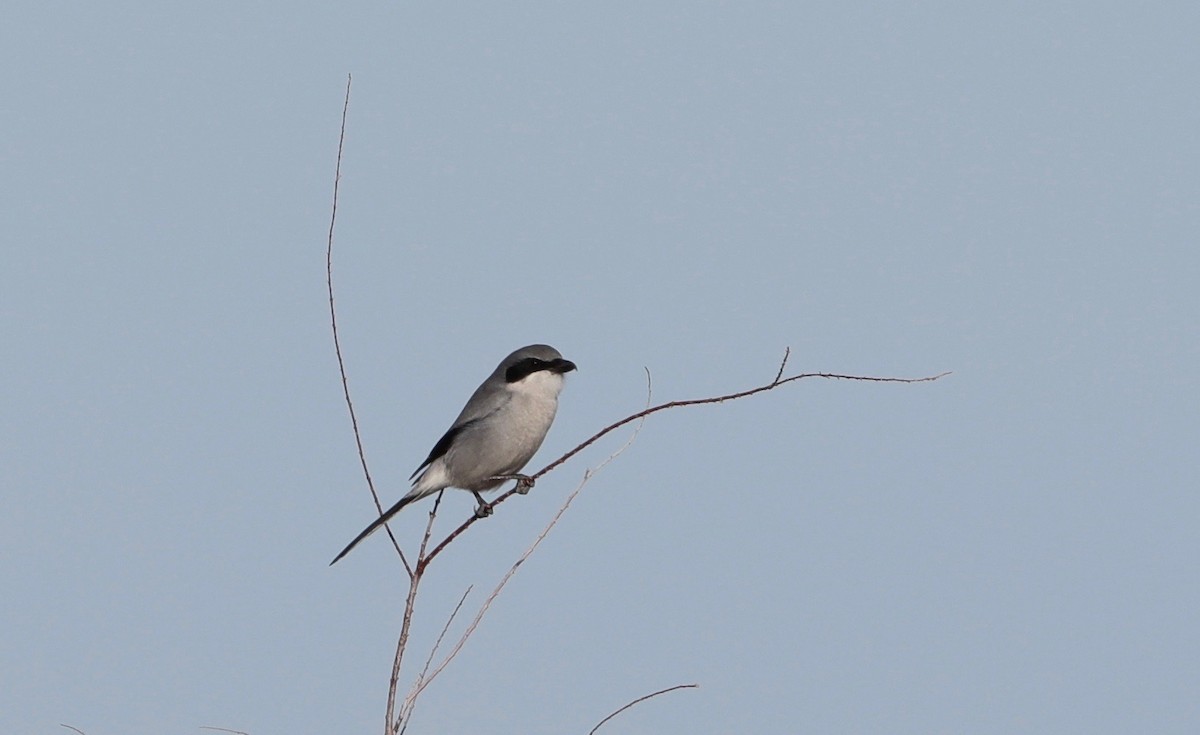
441 447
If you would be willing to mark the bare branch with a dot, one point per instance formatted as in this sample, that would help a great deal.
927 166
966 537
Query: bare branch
717 399
663 407
639 700
410 602
337 345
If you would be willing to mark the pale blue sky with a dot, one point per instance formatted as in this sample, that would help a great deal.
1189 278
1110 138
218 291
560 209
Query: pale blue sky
1008 192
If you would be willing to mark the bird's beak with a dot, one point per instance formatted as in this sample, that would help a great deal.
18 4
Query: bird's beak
562 366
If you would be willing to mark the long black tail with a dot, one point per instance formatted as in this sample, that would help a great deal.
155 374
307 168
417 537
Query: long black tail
387 516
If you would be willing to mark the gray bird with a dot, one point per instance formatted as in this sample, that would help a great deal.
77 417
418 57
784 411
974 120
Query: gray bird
498 431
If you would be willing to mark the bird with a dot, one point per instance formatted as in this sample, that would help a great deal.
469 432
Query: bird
497 432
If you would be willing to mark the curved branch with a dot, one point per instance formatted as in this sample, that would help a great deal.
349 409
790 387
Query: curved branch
778 381
639 700
337 345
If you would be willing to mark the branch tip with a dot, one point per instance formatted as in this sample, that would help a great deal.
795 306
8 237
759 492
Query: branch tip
787 352
642 699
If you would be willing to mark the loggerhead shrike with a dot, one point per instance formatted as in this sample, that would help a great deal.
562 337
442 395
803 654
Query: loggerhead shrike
497 432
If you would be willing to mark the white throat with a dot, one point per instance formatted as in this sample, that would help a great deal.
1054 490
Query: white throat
544 385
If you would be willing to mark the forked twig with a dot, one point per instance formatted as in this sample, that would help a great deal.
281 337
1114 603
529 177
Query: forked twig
639 700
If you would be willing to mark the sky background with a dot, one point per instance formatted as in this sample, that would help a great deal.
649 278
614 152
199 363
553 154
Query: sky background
1007 192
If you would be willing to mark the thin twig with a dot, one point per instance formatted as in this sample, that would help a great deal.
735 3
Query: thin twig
641 699
663 407
337 345
787 352
406 716
438 643
406 710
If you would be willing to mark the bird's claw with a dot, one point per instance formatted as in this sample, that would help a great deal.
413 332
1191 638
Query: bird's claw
524 484
484 509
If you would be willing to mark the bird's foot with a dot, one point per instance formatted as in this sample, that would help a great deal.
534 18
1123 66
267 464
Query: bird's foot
484 509
524 482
